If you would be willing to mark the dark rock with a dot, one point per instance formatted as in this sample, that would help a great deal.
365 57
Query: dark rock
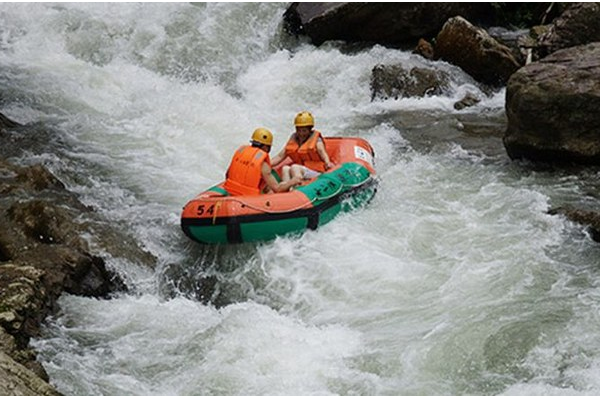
525 14
511 39
425 49
395 24
6 122
591 219
552 108
38 178
579 24
26 357
43 254
17 380
528 43
44 222
393 81
468 101
22 297
472 49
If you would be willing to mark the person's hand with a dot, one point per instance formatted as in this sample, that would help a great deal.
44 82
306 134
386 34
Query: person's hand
329 165
297 180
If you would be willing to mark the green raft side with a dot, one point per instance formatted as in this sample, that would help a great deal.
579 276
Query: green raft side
269 230
211 234
250 231
348 176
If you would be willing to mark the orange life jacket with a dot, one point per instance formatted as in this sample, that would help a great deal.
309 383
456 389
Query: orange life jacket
244 176
306 154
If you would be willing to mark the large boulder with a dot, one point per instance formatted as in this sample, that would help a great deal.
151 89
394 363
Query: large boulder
552 108
579 24
475 51
395 24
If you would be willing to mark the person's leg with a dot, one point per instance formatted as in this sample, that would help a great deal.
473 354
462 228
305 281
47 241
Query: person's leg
309 173
303 172
297 170
285 173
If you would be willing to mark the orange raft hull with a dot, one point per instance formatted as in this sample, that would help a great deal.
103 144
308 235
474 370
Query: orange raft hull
216 217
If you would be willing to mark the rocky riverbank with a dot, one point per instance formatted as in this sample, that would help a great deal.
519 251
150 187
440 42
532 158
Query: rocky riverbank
43 254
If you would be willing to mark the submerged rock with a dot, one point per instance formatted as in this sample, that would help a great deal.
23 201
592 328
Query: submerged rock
552 108
394 81
588 218
468 101
6 122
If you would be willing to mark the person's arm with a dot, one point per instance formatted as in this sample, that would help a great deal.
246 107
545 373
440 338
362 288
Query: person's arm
272 182
278 158
323 154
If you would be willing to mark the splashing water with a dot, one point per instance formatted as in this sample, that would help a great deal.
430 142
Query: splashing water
454 280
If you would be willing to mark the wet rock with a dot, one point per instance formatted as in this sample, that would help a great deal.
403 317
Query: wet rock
511 39
579 24
17 380
7 123
22 296
395 24
394 81
475 51
552 108
591 219
43 254
528 43
25 357
424 49
468 101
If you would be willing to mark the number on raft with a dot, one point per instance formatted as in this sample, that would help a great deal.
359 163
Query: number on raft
201 210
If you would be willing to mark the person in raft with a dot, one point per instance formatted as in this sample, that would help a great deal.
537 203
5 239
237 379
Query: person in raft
306 149
249 172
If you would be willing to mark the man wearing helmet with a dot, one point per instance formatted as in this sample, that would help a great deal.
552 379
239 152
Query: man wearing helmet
306 149
249 172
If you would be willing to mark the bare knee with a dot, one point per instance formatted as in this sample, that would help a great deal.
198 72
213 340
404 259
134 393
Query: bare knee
297 171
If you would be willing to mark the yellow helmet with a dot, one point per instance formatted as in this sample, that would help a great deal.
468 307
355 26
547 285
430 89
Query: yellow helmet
262 136
304 118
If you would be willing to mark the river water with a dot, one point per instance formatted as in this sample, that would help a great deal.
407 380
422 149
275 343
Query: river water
454 280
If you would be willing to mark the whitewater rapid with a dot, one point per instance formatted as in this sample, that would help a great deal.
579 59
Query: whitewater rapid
453 281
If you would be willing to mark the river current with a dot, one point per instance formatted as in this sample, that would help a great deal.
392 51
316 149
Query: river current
454 281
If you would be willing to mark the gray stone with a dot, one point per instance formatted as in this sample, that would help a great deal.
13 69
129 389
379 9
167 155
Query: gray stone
394 81
475 51
16 380
552 108
579 24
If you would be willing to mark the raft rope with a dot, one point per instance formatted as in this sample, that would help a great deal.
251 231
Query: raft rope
217 207
310 201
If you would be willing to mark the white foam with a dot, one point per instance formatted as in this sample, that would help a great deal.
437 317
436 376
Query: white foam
416 294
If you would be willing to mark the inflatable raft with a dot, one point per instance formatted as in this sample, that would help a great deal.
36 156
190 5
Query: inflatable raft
216 217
